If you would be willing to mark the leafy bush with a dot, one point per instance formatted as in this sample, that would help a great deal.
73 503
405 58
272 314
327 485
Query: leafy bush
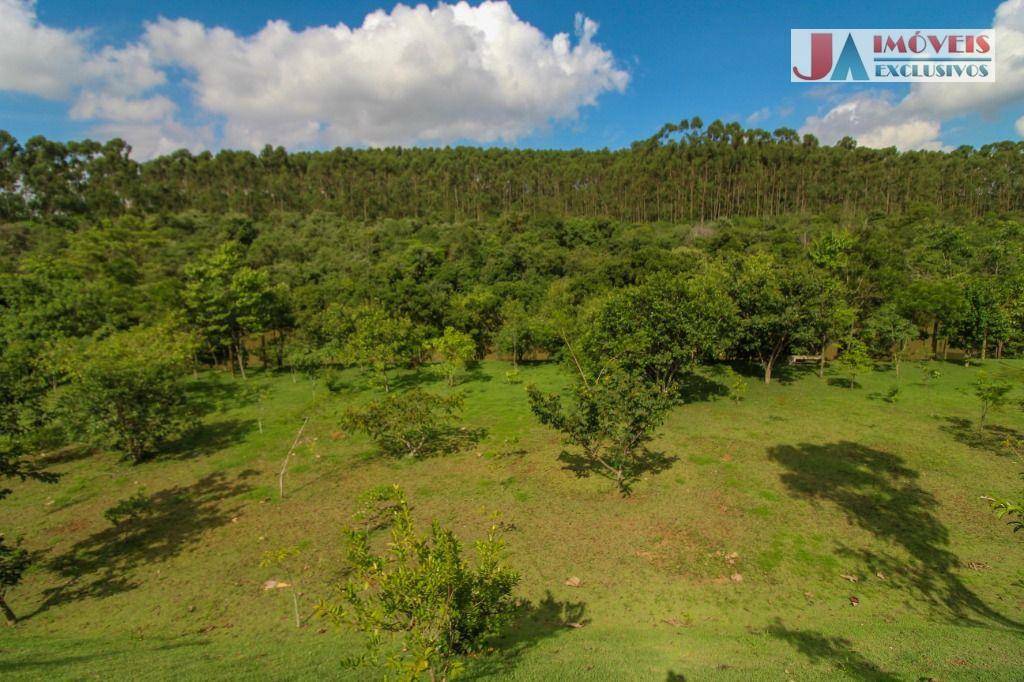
411 424
456 349
421 605
612 418
993 392
128 393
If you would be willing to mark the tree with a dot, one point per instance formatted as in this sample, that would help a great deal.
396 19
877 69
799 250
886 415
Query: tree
993 392
128 393
775 308
456 349
22 389
853 360
410 424
380 341
612 418
663 328
890 334
515 337
13 563
227 301
421 591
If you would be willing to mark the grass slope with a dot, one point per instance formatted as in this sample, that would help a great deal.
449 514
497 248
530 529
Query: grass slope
727 565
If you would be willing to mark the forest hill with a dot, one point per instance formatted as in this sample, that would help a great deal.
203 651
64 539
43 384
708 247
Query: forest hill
686 172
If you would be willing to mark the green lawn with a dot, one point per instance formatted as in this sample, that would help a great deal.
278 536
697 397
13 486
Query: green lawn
729 564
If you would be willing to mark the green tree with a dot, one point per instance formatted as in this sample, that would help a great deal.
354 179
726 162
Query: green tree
127 392
410 424
890 334
663 328
457 351
776 308
227 301
611 419
420 591
853 360
993 393
380 341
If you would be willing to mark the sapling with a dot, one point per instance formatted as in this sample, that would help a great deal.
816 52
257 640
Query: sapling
285 559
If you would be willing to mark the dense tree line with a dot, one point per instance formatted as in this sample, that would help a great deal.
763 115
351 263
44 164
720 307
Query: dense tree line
686 172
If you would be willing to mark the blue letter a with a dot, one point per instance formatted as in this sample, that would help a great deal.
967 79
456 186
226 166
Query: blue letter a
849 63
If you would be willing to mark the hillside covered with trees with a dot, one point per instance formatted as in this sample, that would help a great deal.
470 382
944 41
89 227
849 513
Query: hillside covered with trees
475 323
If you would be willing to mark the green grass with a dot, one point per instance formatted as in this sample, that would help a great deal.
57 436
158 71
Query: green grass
791 489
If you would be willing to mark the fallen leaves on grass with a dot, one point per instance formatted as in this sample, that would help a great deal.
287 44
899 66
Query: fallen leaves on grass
275 585
851 578
573 582
854 601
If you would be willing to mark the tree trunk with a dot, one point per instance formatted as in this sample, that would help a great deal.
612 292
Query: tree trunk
821 361
984 345
768 371
9 616
241 360
935 338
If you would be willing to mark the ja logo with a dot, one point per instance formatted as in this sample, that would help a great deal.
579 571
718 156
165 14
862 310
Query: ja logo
849 66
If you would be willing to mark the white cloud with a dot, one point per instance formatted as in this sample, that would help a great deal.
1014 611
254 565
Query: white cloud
411 75
916 121
415 74
875 122
34 58
1019 125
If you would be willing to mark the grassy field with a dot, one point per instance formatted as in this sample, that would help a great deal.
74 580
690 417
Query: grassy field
729 564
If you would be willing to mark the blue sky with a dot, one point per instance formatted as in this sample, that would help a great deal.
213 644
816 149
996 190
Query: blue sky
725 60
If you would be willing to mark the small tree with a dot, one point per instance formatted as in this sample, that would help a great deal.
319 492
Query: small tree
380 342
890 334
993 392
456 350
13 563
410 424
420 591
515 337
128 392
284 558
853 361
612 418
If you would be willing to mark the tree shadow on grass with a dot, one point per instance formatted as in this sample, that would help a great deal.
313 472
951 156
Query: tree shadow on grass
104 563
531 624
206 439
838 650
43 668
695 387
879 493
646 462
999 440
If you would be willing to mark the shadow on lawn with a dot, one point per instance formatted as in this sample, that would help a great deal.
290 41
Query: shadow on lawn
818 647
531 624
880 494
207 438
999 440
41 666
103 564
647 462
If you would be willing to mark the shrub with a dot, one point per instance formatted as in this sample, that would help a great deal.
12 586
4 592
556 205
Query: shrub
128 393
411 424
611 420
421 605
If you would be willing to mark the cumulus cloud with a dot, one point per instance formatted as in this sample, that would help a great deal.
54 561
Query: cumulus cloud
915 122
874 121
411 75
34 58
